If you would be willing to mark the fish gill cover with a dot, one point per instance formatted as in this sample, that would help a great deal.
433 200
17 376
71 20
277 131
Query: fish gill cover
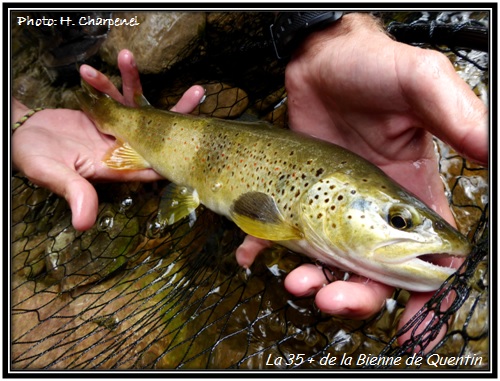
131 294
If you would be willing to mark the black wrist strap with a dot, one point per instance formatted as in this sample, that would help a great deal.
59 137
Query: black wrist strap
290 28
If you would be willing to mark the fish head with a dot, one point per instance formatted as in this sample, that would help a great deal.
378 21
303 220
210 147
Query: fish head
377 229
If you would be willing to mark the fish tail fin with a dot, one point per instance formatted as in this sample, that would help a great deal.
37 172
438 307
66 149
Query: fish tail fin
92 101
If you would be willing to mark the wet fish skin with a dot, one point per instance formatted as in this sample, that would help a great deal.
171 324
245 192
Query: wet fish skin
311 196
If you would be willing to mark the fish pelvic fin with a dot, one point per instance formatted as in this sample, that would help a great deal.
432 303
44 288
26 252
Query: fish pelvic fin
176 203
123 157
257 214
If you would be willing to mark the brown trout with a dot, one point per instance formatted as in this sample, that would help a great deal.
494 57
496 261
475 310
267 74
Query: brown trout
308 195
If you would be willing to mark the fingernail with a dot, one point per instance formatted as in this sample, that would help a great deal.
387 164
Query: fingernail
90 71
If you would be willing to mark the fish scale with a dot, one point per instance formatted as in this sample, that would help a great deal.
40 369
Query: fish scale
311 196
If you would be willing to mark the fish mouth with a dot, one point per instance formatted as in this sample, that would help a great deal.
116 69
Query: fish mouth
443 262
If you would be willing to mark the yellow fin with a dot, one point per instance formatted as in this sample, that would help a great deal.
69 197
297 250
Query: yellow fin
176 203
257 214
124 157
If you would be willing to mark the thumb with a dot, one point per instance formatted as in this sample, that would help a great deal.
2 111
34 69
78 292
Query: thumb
82 199
446 105
78 192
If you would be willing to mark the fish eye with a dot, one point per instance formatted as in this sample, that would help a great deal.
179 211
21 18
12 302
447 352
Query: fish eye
400 218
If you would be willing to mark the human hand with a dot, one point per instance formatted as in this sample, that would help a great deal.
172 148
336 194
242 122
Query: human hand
352 85
61 149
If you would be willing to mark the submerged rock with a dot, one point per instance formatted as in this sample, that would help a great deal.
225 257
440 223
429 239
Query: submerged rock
159 41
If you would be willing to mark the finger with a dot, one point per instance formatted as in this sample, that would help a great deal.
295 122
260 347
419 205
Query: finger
353 300
189 100
131 82
78 192
99 81
82 199
305 280
359 298
414 304
249 249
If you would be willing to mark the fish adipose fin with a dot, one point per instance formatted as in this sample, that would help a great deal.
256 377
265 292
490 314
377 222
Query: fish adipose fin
176 203
257 214
124 157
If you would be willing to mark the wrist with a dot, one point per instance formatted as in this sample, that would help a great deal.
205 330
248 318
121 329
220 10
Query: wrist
290 28
21 114
350 23
18 110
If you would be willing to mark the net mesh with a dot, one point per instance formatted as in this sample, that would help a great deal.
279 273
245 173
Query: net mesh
131 294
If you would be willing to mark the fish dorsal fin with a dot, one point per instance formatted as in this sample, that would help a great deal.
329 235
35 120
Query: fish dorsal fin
124 157
140 100
257 214
176 203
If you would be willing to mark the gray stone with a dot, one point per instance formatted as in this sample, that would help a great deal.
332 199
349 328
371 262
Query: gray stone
160 40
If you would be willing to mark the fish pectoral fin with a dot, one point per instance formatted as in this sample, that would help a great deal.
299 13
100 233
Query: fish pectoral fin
176 203
257 214
124 157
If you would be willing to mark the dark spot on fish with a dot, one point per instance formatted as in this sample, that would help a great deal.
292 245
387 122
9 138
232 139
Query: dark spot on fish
365 180
327 200
292 188
349 216
334 225
362 216
316 197
297 194
309 162
303 176
340 197
320 215
438 225
332 207
291 153
353 191
319 172
310 202
332 186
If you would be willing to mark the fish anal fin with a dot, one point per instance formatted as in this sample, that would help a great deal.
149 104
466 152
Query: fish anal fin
123 157
257 214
